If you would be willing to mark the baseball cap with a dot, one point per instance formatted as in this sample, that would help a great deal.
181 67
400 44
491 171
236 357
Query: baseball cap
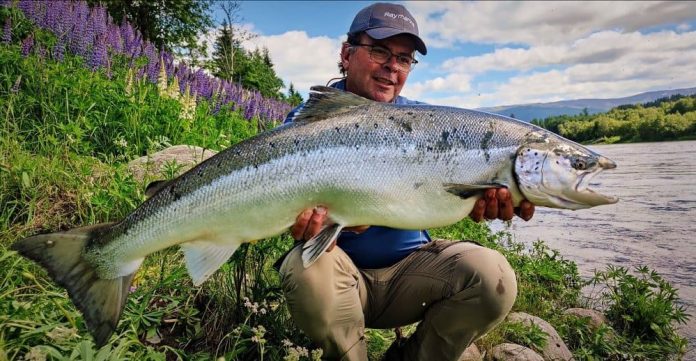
382 20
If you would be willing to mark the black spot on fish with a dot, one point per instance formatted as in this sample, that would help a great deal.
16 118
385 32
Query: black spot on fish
272 144
445 134
338 130
486 141
357 125
406 126
431 115
297 142
417 185
429 148
409 113
376 125
390 118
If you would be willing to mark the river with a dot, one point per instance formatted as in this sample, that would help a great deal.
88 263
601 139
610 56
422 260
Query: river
653 224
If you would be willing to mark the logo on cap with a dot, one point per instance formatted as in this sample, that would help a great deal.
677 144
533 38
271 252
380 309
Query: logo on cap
387 14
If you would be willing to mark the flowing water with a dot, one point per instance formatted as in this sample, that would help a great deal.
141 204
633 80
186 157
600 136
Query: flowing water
653 224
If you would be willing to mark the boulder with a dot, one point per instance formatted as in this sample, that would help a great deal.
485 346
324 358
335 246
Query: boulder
596 318
513 352
555 348
183 156
471 353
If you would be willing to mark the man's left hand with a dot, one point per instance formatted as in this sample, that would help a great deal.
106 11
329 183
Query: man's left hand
497 204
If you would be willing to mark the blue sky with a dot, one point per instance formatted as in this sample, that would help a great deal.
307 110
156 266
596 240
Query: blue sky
497 53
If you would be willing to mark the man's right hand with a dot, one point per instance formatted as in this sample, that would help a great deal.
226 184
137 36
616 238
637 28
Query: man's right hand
310 222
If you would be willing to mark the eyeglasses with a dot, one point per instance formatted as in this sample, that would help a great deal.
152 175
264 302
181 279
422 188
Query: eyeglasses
382 55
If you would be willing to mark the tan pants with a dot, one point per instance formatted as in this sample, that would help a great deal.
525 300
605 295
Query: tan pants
459 290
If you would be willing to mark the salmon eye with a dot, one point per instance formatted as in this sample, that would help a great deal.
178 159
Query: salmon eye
579 164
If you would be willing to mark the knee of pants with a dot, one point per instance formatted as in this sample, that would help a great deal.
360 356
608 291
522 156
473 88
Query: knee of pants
319 295
496 283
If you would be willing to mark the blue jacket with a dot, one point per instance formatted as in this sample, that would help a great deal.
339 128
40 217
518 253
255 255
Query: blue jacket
378 247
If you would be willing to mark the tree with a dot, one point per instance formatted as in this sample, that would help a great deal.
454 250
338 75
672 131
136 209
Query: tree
169 24
258 73
294 97
223 54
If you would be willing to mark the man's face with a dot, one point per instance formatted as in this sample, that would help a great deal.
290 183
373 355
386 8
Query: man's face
369 79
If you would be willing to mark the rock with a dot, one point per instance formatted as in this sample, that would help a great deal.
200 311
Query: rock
185 157
513 352
555 348
471 353
596 318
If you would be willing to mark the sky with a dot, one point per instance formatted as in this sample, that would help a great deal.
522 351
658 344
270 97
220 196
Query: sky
492 53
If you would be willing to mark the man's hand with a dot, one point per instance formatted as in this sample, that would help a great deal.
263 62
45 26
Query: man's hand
497 203
310 222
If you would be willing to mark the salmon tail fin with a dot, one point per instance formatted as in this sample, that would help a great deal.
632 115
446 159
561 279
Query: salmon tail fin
101 301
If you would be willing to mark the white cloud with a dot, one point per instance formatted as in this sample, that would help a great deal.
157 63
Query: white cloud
298 58
605 64
539 23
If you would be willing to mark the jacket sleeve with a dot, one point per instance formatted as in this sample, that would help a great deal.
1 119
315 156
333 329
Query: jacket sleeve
292 113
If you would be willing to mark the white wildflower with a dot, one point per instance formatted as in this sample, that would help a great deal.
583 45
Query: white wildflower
316 354
60 333
121 142
35 354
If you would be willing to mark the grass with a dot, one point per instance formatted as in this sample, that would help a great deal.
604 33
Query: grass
65 138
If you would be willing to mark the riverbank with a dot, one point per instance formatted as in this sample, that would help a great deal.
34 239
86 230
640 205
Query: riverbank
651 225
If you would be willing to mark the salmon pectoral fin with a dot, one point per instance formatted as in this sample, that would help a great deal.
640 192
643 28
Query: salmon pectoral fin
203 257
315 247
465 191
101 301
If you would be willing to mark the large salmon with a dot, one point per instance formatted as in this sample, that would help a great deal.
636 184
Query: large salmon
409 167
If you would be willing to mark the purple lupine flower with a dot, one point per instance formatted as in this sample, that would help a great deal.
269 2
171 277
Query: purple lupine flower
7 31
98 57
97 17
27 7
114 41
27 44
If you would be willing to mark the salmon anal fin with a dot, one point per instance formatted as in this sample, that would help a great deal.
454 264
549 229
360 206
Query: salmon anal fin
203 257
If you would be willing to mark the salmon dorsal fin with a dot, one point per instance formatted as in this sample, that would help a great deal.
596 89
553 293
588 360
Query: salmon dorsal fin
155 186
326 102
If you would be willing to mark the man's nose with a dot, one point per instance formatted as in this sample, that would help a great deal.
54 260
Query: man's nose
391 64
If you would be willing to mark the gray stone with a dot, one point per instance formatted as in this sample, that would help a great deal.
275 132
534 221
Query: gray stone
184 156
595 318
513 352
471 353
555 348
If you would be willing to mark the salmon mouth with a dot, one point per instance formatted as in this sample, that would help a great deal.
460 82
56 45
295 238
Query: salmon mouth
585 195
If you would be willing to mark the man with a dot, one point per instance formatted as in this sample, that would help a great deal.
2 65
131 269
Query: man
383 278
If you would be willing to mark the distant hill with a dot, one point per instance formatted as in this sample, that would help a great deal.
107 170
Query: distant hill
528 112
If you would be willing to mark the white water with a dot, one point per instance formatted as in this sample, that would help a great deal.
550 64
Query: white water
653 224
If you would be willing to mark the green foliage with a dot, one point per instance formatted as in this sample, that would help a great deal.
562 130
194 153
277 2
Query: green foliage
169 24
666 119
644 308
65 108
531 336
